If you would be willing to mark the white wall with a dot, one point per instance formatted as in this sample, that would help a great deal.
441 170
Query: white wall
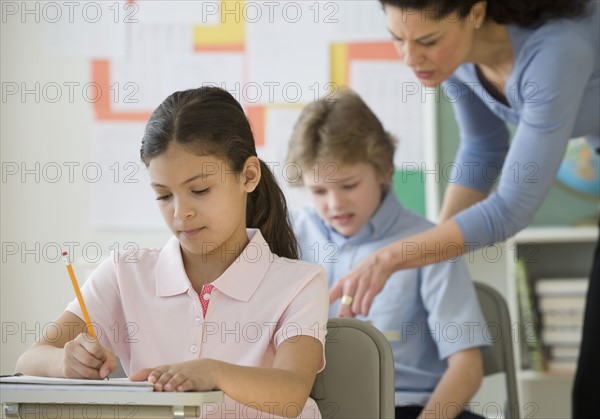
34 288
43 210
39 215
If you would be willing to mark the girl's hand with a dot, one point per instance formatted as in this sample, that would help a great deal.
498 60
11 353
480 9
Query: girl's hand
86 358
358 288
197 375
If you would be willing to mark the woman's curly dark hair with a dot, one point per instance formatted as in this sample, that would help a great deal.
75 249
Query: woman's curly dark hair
520 12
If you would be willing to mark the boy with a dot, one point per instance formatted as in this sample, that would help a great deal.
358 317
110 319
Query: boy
431 314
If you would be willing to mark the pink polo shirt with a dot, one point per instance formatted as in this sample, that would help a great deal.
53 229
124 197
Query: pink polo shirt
145 310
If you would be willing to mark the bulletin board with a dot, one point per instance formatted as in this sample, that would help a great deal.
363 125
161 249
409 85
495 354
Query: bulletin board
273 56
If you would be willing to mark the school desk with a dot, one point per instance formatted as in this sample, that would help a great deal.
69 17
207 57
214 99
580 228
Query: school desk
104 404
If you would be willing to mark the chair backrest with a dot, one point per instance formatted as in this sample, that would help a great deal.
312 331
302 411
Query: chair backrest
499 357
358 379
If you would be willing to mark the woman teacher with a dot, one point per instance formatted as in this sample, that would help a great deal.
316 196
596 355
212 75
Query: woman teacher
534 64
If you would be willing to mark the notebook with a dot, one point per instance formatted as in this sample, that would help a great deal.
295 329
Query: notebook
30 382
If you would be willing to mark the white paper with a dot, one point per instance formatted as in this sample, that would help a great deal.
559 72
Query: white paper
121 196
278 129
88 29
179 11
162 60
30 382
289 46
288 53
358 20
396 97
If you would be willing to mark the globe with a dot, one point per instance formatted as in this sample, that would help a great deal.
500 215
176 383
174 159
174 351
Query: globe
580 169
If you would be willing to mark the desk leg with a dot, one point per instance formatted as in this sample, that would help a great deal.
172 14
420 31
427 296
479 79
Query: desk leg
178 412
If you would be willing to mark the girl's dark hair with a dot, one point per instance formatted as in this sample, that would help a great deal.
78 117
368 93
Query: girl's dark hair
520 12
209 121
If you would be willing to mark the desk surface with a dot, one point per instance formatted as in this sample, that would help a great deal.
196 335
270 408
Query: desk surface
154 398
105 404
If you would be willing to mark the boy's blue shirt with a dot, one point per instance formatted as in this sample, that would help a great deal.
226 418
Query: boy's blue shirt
432 312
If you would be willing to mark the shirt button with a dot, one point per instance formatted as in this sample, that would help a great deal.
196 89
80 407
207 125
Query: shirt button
198 321
206 296
194 349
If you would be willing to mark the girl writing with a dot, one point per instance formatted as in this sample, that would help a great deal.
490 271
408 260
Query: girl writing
220 306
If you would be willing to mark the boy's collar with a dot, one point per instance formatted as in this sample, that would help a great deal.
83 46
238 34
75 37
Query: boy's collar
377 225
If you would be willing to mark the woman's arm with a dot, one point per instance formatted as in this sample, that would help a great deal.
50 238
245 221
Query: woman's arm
65 350
547 120
456 387
553 103
365 281
277 390
458 198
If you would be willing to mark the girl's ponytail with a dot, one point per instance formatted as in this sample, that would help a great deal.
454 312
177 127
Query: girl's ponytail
267 211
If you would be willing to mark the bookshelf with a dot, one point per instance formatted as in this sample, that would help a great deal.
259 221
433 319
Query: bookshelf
548 252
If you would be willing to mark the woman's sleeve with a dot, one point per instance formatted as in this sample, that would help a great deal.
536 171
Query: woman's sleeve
551 87
483 139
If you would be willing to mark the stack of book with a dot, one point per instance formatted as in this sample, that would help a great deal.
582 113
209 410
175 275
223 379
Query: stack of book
532 354
561 303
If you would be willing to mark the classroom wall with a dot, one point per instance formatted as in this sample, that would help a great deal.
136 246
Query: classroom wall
54 139
79 80
41 212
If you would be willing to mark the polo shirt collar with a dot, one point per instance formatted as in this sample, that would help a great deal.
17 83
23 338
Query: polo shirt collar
171 277
242 278
389 210
239 281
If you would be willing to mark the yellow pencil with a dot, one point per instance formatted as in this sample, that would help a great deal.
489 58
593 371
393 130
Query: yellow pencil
86 316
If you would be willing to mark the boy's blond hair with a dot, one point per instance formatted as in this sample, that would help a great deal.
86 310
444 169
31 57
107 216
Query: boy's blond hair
342 130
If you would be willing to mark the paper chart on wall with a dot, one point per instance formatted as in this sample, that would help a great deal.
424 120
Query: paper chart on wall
360 20
394 94
145 80
88 29
278 128
120 192
288 54
179 11
289 49
148 82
